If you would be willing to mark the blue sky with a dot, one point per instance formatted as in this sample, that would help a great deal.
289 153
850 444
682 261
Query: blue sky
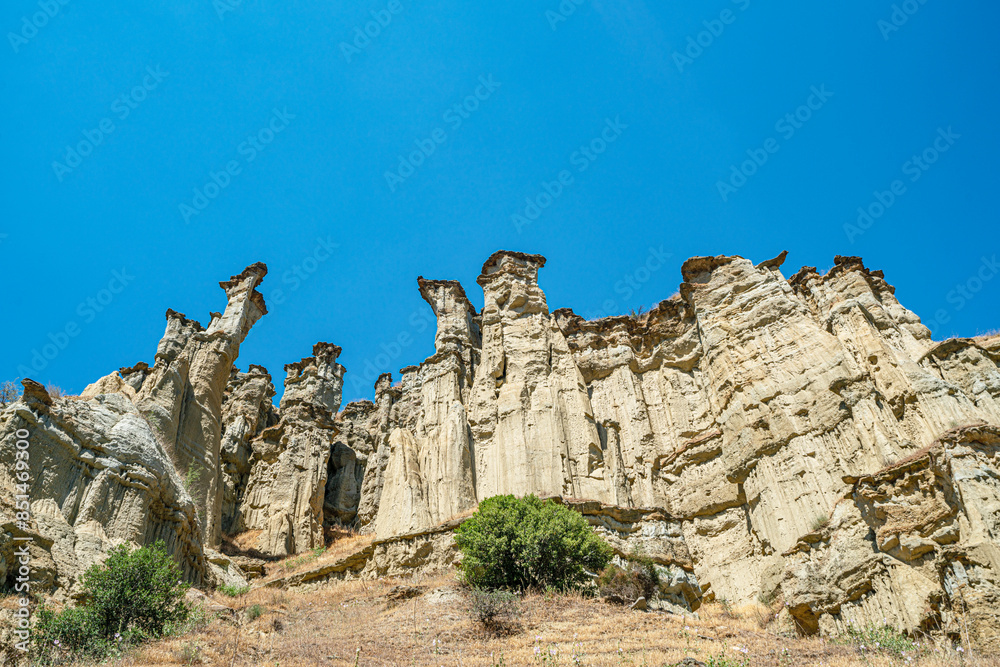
178 142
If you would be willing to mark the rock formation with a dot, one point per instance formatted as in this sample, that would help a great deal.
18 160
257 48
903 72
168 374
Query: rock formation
182 396
97 477
136 457
286 487
762 437
749 407
530 413
246 412
429 475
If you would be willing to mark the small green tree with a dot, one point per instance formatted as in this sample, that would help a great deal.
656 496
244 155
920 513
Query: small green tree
138 590
519 543
134 595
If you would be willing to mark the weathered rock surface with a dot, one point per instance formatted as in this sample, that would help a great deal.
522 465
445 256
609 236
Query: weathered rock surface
97 476
375 419
134 459
530 412
286 486
913 543
765 437
429 475
425 551
743 407
246 412
182 396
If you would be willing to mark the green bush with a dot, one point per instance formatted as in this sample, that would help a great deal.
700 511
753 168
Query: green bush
69 632
134 595
878 639
233 591
520 543
138 590
625 585
254 612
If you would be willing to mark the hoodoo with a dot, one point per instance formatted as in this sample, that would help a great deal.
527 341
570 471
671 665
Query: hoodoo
762 435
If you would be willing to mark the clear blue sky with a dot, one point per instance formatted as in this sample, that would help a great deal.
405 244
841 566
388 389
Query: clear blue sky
309 116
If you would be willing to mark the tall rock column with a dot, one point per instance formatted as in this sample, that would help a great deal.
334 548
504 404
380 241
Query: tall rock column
376 420
246 412
429 475
287 483
529 411
182 397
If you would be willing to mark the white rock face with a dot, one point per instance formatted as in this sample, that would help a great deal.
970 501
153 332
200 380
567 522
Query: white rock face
98 477
136 457
799 439
745 407
429 472
316 380
530 414
246 412
182 396
286 487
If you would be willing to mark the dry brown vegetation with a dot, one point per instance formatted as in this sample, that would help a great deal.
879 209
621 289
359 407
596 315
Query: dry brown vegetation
340 542
370 623
9 392
312 559
55 391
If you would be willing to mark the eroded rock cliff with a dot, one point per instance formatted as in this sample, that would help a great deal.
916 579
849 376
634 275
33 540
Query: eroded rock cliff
747 407
763 437
98 476
182 395
135 458
286 487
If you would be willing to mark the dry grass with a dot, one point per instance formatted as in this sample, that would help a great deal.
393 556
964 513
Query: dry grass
327 626
242 544
56 392
345 546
